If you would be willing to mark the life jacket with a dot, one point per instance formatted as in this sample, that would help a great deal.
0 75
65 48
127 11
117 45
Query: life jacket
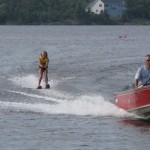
43 60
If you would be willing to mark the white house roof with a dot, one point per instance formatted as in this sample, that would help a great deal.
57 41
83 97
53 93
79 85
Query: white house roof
92 4
112 1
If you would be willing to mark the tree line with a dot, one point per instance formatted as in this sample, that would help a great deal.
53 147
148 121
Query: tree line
48 12
137 10
65 12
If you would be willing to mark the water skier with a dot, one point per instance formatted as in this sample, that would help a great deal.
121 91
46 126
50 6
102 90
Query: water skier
43 69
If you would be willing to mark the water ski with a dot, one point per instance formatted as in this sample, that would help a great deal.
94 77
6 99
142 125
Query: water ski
39 87
47 86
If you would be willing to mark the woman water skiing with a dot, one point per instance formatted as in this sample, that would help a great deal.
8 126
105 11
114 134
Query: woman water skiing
43 68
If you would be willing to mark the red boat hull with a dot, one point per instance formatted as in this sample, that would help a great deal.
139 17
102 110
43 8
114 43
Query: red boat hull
136 101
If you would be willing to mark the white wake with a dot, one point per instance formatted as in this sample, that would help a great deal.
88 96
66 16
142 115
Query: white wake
83 106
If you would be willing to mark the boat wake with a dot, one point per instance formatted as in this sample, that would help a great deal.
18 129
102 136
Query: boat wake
83 105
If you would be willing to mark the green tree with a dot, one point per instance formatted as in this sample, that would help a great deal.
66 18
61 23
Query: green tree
137 9
3 11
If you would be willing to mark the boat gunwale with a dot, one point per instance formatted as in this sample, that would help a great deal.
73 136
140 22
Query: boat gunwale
144 106
132 91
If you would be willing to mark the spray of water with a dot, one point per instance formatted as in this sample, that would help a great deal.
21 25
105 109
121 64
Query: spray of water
29 81
82 106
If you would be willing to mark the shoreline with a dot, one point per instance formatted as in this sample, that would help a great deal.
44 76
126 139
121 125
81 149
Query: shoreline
63 24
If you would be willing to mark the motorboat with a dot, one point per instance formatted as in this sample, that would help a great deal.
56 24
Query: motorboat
135 101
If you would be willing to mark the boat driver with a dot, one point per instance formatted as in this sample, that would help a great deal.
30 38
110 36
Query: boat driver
143 73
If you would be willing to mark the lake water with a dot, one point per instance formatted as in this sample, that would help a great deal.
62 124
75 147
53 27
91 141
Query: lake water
87 65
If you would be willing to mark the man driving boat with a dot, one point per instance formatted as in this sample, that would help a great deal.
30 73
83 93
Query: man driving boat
143 73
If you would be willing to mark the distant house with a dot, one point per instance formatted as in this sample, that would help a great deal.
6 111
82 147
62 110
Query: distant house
114 8
96 6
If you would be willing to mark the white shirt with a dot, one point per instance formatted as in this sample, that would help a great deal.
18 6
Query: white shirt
143 75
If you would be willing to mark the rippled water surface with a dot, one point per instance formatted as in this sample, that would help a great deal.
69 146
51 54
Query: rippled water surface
88 64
